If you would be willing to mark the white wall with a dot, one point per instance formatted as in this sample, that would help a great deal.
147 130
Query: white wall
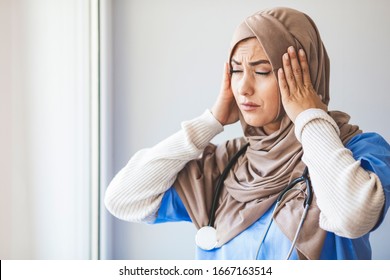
44 117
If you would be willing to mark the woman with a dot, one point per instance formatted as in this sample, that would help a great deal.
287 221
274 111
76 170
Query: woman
276 84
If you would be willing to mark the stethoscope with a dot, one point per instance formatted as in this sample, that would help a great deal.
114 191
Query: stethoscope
206 237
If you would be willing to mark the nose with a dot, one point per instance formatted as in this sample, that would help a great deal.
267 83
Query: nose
246 84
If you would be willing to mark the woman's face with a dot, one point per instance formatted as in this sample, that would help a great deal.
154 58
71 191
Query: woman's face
254 85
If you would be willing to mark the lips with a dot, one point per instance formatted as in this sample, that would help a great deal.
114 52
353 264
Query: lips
249 106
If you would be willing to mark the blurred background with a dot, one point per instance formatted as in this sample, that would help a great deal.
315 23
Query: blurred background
84 84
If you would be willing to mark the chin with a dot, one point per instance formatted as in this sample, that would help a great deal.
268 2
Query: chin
254 122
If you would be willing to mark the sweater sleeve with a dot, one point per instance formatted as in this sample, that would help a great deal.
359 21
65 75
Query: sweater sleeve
349 197
135 193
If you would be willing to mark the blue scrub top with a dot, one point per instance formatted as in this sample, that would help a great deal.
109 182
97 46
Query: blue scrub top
374 154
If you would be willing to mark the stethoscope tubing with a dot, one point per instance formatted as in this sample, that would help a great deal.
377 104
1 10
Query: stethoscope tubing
307 203
303 217
220 183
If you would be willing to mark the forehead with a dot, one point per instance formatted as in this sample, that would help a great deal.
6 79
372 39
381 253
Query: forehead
249 47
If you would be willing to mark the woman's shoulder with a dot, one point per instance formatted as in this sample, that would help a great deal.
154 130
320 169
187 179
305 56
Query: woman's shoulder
373 152
368 141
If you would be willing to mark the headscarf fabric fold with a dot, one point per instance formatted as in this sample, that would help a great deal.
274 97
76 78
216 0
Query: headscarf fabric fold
272 161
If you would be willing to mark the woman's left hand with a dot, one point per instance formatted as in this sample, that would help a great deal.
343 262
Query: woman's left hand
295 85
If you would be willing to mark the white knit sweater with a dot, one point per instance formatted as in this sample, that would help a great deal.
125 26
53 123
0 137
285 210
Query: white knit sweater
350 198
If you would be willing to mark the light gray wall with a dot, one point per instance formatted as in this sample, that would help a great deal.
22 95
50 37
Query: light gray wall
44 124
168 60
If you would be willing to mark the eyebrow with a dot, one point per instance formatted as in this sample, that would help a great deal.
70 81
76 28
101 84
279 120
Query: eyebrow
254 63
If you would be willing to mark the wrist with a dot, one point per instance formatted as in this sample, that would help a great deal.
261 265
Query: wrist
306 116
202 129
218 118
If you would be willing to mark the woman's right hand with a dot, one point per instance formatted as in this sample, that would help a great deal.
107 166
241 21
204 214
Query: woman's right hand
225 109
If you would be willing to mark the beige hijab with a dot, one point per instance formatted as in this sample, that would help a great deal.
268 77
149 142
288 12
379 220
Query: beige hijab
271 161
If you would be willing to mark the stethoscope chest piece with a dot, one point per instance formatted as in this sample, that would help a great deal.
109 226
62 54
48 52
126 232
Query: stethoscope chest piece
206 238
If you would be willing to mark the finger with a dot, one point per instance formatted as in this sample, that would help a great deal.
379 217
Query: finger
226 77
305 68
296 67
227 69
288 73
283 86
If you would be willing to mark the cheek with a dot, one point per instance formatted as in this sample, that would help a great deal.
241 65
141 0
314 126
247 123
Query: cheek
269 92
234 87
272 97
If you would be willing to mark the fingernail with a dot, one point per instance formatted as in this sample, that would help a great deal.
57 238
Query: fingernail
301 52
291 49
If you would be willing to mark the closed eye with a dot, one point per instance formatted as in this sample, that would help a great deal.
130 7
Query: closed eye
263 73
256 72
235 71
